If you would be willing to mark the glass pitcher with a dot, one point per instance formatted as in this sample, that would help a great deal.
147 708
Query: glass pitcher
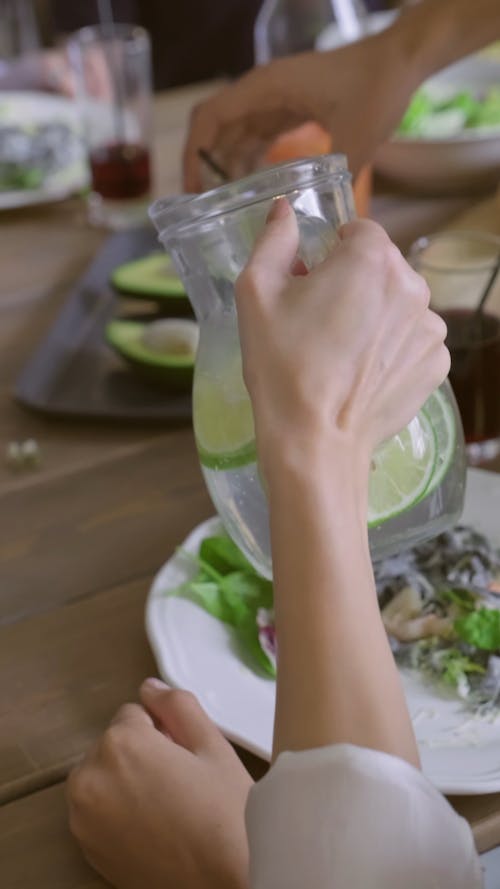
417 478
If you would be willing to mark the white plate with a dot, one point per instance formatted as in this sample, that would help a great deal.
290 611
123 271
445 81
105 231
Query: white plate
195 651
21 108
466 161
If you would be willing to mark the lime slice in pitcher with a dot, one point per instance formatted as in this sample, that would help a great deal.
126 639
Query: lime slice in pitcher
439 412
223 421
401 471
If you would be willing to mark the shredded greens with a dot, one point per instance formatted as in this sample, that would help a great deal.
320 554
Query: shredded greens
441 609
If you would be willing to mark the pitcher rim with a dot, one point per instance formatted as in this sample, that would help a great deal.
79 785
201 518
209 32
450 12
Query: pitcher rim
236 201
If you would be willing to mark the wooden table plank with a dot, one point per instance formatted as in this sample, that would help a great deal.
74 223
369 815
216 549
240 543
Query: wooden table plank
63 675
37 850
406 218
96 527
482 813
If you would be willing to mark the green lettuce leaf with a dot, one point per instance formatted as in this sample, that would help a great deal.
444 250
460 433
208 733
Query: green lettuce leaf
480 628
207 593
229 588
249 637
223 555
244 594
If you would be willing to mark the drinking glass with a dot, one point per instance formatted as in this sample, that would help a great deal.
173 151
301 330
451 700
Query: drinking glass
459 266
416 478
112 64
18 29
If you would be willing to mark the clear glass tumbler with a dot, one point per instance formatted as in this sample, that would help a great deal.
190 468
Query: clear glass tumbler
112 64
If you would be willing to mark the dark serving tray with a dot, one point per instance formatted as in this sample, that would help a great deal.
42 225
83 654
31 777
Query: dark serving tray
74 372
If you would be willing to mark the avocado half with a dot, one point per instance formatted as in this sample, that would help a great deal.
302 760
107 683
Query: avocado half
163 352
152 277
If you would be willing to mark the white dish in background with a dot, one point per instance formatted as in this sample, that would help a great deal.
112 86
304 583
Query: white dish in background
23 108
437 166
333 36
461 163
195 651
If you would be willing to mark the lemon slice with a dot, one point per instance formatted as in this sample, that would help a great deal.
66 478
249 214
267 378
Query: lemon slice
401 472
223 420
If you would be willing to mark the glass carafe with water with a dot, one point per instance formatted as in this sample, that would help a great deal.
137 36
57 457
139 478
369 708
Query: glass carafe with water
417 477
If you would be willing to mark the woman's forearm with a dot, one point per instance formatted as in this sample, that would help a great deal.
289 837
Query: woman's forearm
337 681
435 33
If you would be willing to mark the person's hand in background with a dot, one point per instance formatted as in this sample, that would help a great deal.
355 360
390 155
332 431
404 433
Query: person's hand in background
240 123
357 93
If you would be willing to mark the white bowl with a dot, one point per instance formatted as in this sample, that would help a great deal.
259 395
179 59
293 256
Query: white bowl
462 163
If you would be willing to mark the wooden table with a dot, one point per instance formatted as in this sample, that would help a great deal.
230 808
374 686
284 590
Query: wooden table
82 536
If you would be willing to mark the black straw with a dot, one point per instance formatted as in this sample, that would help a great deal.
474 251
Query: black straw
107 21
214 166
488 288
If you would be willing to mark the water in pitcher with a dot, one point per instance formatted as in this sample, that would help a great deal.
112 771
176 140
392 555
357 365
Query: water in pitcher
417 477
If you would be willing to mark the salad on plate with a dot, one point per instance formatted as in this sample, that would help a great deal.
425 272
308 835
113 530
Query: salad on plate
42 155
440 604
30 154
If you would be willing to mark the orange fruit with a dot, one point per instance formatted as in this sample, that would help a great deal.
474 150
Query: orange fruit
310 139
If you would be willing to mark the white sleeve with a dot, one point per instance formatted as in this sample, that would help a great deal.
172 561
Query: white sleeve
345 817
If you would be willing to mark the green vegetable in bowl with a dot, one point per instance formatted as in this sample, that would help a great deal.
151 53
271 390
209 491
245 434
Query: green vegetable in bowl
431 118
487 112
420 106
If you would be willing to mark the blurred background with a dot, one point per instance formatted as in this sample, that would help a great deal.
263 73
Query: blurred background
191 41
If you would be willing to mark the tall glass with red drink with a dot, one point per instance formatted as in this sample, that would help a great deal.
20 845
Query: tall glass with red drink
112 64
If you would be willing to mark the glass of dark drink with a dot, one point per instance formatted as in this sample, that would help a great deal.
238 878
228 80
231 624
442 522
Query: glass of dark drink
459 266
112 65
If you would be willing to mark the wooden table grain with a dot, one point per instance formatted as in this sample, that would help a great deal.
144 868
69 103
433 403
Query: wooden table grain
82 536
